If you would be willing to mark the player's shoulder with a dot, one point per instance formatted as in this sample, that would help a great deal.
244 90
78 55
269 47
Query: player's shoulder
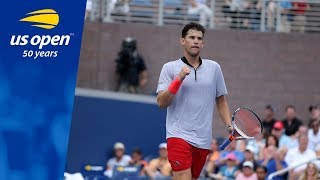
210 62
172 63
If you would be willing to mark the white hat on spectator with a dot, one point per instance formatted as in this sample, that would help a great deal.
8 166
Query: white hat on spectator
251 149
163 145
118 145
248 164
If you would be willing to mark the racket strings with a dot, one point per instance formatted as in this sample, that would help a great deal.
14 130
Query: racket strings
247 123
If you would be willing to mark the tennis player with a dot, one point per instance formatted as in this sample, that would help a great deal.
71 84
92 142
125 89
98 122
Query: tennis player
189 88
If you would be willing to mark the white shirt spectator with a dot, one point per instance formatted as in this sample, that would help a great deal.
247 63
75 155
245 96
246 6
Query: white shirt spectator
201 1
314 139
124 161
294 157
199 7
120 159
237 5
284 141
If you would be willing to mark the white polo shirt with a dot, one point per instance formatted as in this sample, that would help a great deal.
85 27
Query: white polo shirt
294 157
190 115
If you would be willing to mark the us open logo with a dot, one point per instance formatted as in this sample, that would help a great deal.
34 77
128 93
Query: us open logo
45 19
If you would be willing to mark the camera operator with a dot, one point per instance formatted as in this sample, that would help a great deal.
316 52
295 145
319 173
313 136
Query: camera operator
131 69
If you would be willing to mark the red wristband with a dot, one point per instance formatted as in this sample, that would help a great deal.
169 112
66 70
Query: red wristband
174 86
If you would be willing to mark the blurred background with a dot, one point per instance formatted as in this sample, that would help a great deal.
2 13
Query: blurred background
269 54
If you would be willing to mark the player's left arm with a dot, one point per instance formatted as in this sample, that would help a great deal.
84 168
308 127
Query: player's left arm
224 112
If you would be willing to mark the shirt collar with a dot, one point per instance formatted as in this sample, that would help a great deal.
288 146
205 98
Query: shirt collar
184 59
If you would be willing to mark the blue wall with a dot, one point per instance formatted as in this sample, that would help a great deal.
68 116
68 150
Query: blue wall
98 123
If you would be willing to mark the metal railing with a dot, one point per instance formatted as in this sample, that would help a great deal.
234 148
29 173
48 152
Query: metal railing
285 170
256 15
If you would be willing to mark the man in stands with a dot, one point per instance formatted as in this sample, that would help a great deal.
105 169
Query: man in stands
120 159
159 167
275 162
299 155
278 131
314 134
291 122
199 7
137 160
268 120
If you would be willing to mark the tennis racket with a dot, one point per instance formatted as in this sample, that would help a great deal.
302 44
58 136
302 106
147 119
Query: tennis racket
246 125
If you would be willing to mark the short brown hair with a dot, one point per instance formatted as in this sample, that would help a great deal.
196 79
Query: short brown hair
192 25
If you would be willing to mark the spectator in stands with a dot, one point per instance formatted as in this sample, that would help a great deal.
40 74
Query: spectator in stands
213 157
236 9
314 114
291 122
255 14
299 20
117 6
199 7
120 159
138 161
226 10
227 171
271 14
231 148
249 156
314 134
258 143
247 172
261 172
271 140
159 167
274 161
269 119
237 5
131 69
299 155
278 131
310 173
249 18
303 130
285 8
122 6
88 9
111 4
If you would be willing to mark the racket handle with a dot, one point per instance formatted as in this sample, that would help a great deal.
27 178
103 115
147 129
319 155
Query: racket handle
225 144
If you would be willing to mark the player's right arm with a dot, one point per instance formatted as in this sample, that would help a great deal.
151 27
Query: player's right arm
169 86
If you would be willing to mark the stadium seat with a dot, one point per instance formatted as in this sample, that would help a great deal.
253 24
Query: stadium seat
141 2
172 3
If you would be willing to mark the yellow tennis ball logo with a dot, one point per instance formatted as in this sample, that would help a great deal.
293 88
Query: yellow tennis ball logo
44 18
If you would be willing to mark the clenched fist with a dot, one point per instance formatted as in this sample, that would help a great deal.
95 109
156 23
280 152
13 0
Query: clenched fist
184 72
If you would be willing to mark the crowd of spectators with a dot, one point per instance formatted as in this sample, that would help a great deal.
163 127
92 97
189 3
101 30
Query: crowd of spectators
283 143
238 14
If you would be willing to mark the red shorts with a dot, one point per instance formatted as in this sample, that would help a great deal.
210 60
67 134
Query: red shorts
183 155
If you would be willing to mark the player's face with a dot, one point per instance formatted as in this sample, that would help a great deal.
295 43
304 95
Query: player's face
193 42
